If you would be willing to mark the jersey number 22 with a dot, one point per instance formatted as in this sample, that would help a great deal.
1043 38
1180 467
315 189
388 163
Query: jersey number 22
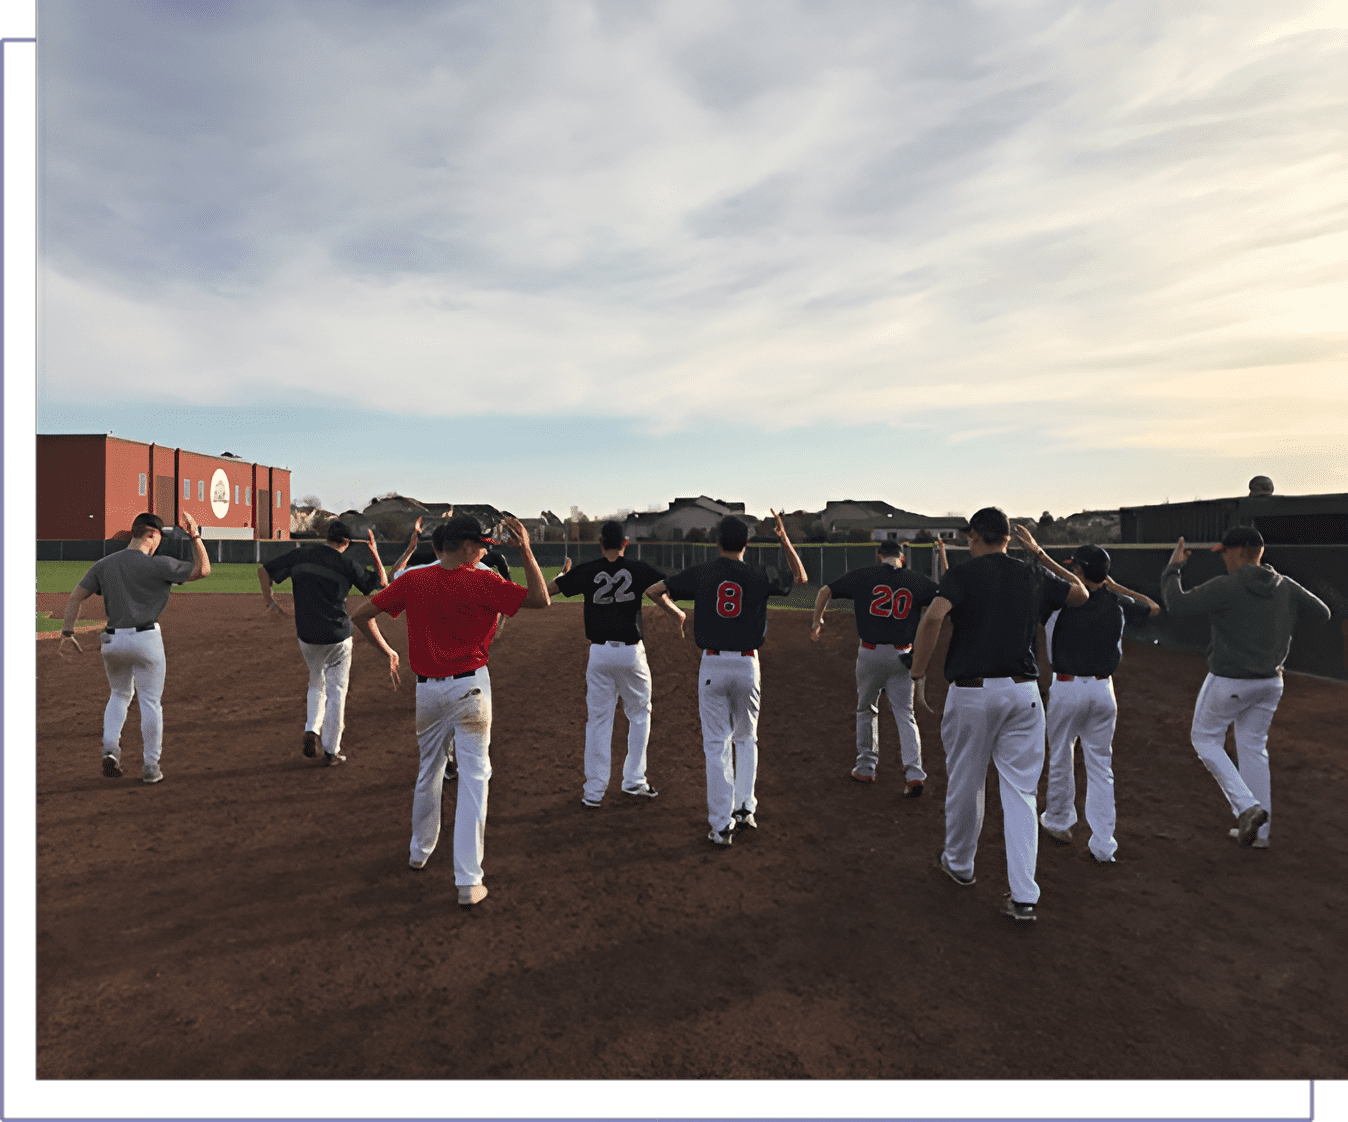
616 587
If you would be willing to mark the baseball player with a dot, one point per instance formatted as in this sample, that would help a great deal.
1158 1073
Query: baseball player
1252 611
730 622
1085 645
452 610
612 586
135 586
321 577
993 713
888 601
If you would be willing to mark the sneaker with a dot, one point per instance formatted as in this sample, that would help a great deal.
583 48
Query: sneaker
1258 843
643 792
312 744
417 864
956 877
723 837
864 772
451 771
151 774
744 819
1017 911
913 790
112 768
332 759
1247 825
593 804
470 894
1062 837
1104 860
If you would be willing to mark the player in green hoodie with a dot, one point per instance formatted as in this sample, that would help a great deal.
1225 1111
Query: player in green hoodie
1252 611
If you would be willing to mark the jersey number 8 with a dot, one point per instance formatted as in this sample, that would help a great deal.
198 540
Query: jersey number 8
729 599
895 602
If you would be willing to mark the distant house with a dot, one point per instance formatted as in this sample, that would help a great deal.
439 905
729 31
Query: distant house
879 520
684 514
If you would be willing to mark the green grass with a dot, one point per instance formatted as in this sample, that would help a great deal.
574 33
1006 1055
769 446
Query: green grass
62 576
45 622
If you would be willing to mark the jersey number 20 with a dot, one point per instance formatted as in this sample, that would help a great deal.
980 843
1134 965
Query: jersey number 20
729 599
616 587
895 602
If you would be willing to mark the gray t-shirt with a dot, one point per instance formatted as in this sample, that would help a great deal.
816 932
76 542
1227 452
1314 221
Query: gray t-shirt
135 588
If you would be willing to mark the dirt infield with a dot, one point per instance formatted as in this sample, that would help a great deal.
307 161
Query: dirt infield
254 916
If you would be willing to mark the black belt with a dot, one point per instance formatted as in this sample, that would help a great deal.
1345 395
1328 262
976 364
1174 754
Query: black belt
974 683
141 627
606 642
448 677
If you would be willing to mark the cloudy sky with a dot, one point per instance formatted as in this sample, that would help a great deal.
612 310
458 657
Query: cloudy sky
1050 255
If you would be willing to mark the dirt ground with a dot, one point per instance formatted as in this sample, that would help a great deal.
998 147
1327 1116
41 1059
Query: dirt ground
253 916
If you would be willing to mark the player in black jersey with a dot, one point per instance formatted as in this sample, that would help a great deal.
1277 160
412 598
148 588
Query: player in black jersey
612 586
730 622
992 710
1084 645
888 600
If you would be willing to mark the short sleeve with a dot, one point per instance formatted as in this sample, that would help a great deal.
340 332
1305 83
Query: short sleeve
367 580
951 588
844 588
278 568
682 586
645 575
173 570
90 581
1054 592
925 592
1134 611
569 583
505 596
390 599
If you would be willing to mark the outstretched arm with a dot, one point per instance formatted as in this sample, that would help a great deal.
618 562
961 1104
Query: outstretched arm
378 564
406 556
1116 587
552 584
791 558
538 589
1077 594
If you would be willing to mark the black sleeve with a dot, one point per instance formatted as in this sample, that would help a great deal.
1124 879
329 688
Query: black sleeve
781 580
924 591
1054 592
278 568
496 559
1134 611
643 576
367 580
952 587
844 588
682 586
569 582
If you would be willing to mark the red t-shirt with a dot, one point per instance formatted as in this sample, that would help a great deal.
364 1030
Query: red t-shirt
451 615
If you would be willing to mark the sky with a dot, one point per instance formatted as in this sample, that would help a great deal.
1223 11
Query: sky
1048 255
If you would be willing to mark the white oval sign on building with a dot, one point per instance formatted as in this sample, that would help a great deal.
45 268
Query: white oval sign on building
220 493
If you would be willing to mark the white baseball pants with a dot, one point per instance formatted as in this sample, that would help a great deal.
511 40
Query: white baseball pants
1085 708
1249 704
1001 722
728 694
134 662
616 672
883 669
461 707
329 673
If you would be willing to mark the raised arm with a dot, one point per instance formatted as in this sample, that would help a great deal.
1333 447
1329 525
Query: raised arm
944 562
538 589
378 564
1077 594
820 603
1115 587
406 556
552 584
1205 598
201 564
791 558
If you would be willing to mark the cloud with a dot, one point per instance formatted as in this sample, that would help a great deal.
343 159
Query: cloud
673 212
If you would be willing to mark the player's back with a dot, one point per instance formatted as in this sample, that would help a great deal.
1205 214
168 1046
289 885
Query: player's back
887 600
612 592
1087 640
730 601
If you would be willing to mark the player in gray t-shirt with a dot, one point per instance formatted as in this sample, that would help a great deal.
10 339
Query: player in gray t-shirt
135 586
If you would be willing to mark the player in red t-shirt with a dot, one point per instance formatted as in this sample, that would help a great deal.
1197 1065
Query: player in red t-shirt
452 612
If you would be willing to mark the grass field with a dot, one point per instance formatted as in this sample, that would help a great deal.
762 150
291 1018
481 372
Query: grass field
62 576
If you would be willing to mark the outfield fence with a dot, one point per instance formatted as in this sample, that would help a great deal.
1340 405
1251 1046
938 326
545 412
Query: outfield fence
1317 648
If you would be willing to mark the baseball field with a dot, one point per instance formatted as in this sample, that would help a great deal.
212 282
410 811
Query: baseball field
253 917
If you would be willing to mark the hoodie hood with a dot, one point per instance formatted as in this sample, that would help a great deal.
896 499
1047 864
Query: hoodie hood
1258 580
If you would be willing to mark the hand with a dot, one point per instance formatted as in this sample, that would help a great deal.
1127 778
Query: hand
566 565
518 534
814 631
779 529
190 524
1026 538
272 605
61 648
1181 554
416 530
393 669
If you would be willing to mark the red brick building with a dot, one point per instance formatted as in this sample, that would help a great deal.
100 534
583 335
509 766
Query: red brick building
92 486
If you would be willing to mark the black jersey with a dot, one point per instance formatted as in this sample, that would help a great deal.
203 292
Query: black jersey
1088 640
321 578
998 603
730 601
612 591
888 601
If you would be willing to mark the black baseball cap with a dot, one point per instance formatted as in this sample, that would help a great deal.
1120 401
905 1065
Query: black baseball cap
338 531
889 547
460 528
1094 562
1242 537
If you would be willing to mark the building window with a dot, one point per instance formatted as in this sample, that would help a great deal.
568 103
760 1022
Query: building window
142 483
278 500
247 496
201 490
236 494
187 488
